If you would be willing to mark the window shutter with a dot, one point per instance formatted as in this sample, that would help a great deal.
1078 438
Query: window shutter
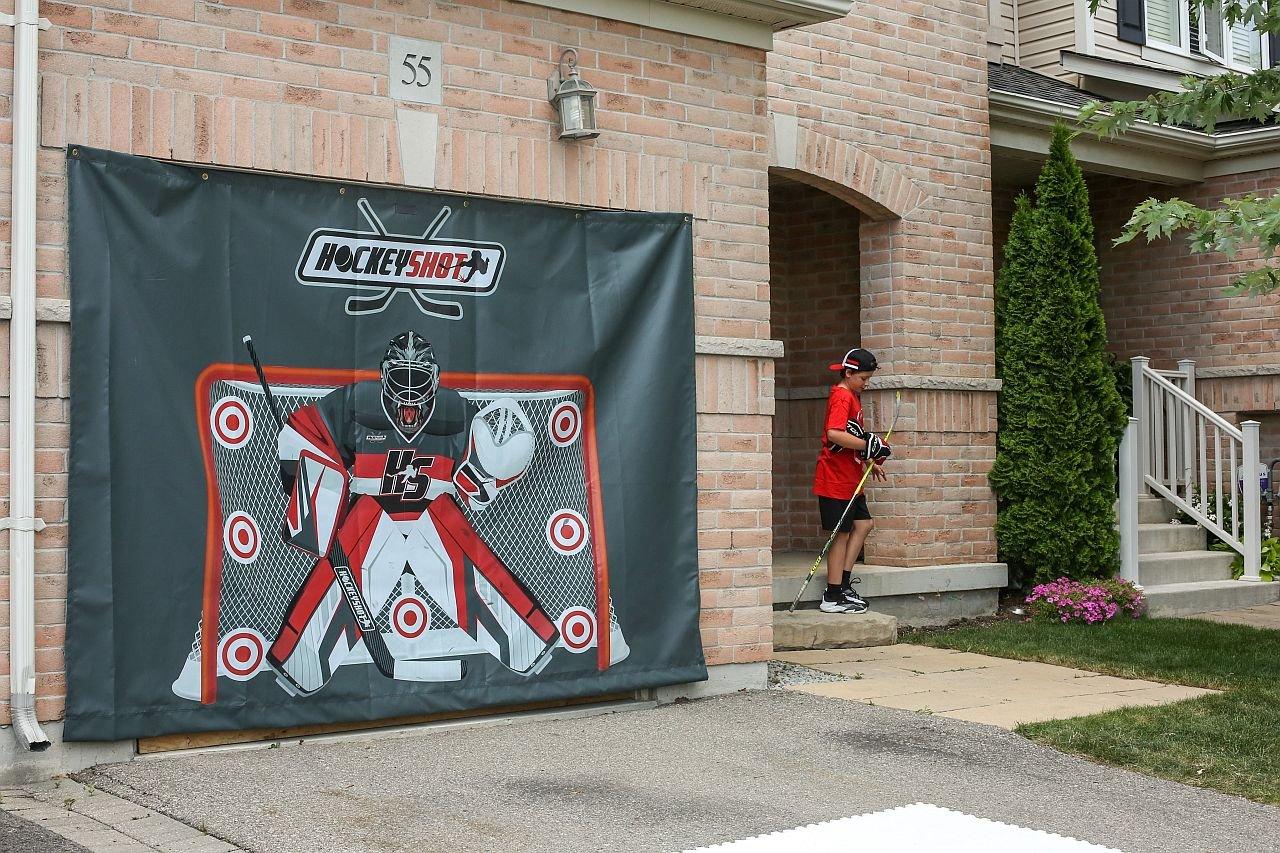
1130 22
1273 46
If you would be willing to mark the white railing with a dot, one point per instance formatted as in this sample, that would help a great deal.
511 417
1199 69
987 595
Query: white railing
1192 457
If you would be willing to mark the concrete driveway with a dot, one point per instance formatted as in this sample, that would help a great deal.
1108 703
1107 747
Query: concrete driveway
668 779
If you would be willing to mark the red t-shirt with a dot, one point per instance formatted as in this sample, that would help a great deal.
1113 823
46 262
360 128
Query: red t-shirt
839 468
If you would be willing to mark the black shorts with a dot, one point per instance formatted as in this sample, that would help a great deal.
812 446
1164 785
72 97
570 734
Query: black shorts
832 508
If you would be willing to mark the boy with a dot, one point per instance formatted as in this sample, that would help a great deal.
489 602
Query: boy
847 447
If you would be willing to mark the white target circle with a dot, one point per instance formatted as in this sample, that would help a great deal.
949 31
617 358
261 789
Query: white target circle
567 531
241 653
578 629
241 538
565 424
410 617
232 423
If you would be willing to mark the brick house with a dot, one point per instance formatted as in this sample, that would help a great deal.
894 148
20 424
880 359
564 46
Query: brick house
840 165
1160 302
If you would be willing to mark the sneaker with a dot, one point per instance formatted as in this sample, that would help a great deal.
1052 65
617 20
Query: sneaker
840 604
850 595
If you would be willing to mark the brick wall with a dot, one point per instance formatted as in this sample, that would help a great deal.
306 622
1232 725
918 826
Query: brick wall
899 90
814 267
300 86
1164 302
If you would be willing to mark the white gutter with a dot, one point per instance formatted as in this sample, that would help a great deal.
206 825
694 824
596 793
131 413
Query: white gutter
22 523
1187 142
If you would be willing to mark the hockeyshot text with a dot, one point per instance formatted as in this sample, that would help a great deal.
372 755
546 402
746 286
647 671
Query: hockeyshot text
353 259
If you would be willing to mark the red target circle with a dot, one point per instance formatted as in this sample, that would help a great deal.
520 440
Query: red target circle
241 653
567 531
565 424
241 538
232 423
410 617
578 629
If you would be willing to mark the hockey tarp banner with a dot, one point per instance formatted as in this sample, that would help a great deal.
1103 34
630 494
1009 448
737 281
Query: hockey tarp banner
348 453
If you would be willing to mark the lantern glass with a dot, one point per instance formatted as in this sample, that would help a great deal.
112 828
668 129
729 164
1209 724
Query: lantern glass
571 115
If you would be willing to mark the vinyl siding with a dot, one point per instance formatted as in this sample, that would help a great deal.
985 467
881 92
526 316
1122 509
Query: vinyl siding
1046 28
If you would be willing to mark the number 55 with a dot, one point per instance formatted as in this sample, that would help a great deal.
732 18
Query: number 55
414 69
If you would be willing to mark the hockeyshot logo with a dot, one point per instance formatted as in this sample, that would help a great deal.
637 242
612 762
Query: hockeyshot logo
380 265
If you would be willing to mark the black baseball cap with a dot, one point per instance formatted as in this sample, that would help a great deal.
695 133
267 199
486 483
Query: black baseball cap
860 360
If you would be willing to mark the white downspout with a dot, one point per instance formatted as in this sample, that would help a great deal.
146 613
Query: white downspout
22 523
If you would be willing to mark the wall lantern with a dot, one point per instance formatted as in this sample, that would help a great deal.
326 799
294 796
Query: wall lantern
573 98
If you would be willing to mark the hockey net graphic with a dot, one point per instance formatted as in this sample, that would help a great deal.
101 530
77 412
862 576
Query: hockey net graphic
547 527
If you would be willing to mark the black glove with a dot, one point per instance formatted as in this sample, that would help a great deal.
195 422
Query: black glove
876 450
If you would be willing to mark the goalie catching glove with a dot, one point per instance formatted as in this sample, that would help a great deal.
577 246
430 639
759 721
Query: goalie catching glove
498 454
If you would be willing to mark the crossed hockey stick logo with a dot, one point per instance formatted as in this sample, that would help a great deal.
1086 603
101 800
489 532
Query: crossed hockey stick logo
380 265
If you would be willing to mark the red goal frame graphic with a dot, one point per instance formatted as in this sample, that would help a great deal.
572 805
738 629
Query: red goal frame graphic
210 609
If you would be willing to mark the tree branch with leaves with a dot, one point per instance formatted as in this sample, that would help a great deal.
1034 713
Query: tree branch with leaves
1204 103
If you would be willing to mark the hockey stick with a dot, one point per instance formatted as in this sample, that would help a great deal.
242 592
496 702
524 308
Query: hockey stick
338 561
813 570
379 301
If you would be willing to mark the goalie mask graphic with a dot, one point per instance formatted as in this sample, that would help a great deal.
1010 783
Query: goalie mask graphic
410 378
413 529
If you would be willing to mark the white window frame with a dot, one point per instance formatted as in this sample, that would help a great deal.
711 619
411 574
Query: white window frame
1227 60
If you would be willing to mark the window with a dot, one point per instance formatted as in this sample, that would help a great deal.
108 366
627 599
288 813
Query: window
1202 32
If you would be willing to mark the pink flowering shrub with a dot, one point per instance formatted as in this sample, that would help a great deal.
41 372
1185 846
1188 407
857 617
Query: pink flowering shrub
1090 602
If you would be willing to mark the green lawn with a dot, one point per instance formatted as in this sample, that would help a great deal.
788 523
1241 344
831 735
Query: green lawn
1230 742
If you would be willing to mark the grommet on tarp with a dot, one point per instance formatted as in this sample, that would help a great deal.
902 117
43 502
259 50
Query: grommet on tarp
204 176
342 190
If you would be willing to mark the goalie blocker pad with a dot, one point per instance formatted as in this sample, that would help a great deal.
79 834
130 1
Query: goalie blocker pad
316 504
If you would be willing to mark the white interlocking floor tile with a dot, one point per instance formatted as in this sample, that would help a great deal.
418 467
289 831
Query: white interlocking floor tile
921 828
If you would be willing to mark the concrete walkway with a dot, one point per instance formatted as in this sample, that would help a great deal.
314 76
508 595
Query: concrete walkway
1260 616
62 816
669 779
978 688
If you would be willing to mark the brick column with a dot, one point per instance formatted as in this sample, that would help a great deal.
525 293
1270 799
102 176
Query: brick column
928 313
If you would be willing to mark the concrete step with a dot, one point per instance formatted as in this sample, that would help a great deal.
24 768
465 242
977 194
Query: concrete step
1184 567
1184 599
1155 511
813 629
790 568
1163 538
920 596
1152 510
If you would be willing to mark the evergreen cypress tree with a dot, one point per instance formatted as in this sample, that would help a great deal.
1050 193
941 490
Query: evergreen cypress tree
1060 415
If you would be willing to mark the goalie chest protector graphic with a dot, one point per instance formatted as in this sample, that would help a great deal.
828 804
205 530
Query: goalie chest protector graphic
401 472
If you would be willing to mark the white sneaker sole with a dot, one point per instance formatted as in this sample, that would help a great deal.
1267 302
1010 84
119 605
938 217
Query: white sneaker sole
840 607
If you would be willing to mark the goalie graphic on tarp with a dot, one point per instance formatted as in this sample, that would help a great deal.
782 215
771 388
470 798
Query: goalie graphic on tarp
374 471
385 482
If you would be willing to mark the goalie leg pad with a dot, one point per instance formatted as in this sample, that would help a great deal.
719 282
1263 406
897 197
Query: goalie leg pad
501 614
317 634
